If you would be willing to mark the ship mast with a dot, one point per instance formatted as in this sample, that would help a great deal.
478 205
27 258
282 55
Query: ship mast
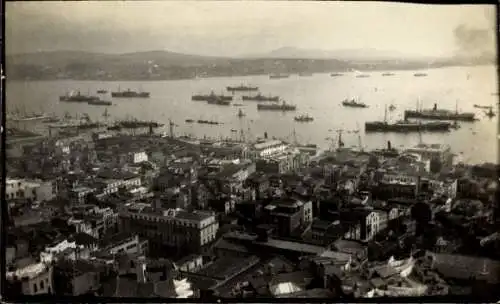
340 143
385 114
359 139
171 128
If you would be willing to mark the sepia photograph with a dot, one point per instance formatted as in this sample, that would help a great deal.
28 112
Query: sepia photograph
239 150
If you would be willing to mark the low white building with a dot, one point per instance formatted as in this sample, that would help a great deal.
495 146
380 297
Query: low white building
35 278
36 190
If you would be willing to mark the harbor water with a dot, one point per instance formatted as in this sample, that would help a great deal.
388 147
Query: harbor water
319 96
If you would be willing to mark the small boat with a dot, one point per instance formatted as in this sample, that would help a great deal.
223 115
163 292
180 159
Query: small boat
420 74
189 120
240 113
100 103
490 113
234 130
336 74
237 105
305 74
482 107
51 119
362 76
208 122
388 74
102 91
303 118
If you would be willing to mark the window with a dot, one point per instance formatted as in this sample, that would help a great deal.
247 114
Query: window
35 288
42 285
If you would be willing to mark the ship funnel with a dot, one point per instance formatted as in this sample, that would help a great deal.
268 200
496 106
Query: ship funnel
265 135
389 146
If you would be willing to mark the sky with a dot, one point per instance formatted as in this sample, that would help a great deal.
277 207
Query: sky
238 28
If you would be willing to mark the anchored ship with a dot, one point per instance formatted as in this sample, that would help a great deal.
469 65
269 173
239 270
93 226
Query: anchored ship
129 94
303 118
405 126
100 103
78 97
352 103
278 76
102 91
219 101
135 124
260 97
242 88
439 114
276 107
211 97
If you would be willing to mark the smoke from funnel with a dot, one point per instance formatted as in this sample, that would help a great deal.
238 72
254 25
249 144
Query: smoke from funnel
477 42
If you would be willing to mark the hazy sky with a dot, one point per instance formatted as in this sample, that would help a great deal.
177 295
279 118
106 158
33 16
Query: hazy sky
232 28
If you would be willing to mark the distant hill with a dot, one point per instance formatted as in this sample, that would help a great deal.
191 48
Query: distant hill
63 58
161 65
365 54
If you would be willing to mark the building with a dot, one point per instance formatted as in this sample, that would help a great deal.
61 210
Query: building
34 279
288 215
171 227
36 190
360 224
429 152
266 149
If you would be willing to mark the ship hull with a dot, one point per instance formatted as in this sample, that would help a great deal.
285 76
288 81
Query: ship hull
406 128
261 98
437 116
242 89
129 95
278 109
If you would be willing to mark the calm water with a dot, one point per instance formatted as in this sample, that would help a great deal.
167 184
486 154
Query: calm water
319 95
